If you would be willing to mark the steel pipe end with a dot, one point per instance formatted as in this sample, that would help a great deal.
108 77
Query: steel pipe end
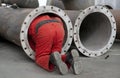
94 31
37 12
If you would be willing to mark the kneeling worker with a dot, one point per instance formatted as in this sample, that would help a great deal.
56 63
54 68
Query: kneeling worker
46 36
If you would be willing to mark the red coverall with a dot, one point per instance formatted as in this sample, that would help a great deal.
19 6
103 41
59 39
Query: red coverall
48 39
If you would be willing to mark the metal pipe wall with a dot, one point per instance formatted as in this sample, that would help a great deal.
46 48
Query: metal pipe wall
14 25
11 22
77 4
57 3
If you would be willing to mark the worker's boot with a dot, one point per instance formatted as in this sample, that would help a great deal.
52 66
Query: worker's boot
74 59
55 59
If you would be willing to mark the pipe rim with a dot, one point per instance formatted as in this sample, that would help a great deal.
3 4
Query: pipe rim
78 23
38 11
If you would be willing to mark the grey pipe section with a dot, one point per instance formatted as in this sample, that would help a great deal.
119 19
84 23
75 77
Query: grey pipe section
11 22
21 3
57 3
14 25
77 4
33 3
116 14
83 4
94 31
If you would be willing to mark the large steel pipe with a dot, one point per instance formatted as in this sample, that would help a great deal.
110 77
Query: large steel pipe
94 31
14 25
116 14
21 3
57 3
34 3
82 4
77 4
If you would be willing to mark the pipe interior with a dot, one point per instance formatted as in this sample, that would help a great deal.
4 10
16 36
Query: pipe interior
95 31
64 25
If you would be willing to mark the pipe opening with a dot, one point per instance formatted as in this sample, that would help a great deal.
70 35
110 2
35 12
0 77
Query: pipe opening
64 25
95 31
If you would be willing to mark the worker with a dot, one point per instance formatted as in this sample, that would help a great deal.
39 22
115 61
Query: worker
46 36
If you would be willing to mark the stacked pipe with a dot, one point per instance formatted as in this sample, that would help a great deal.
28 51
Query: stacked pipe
94 27
21 3
83 4
14 25
34 3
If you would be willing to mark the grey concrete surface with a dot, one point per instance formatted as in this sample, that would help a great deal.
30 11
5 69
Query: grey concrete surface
14 63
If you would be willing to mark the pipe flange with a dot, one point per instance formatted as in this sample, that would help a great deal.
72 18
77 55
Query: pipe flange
31 16
77 26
